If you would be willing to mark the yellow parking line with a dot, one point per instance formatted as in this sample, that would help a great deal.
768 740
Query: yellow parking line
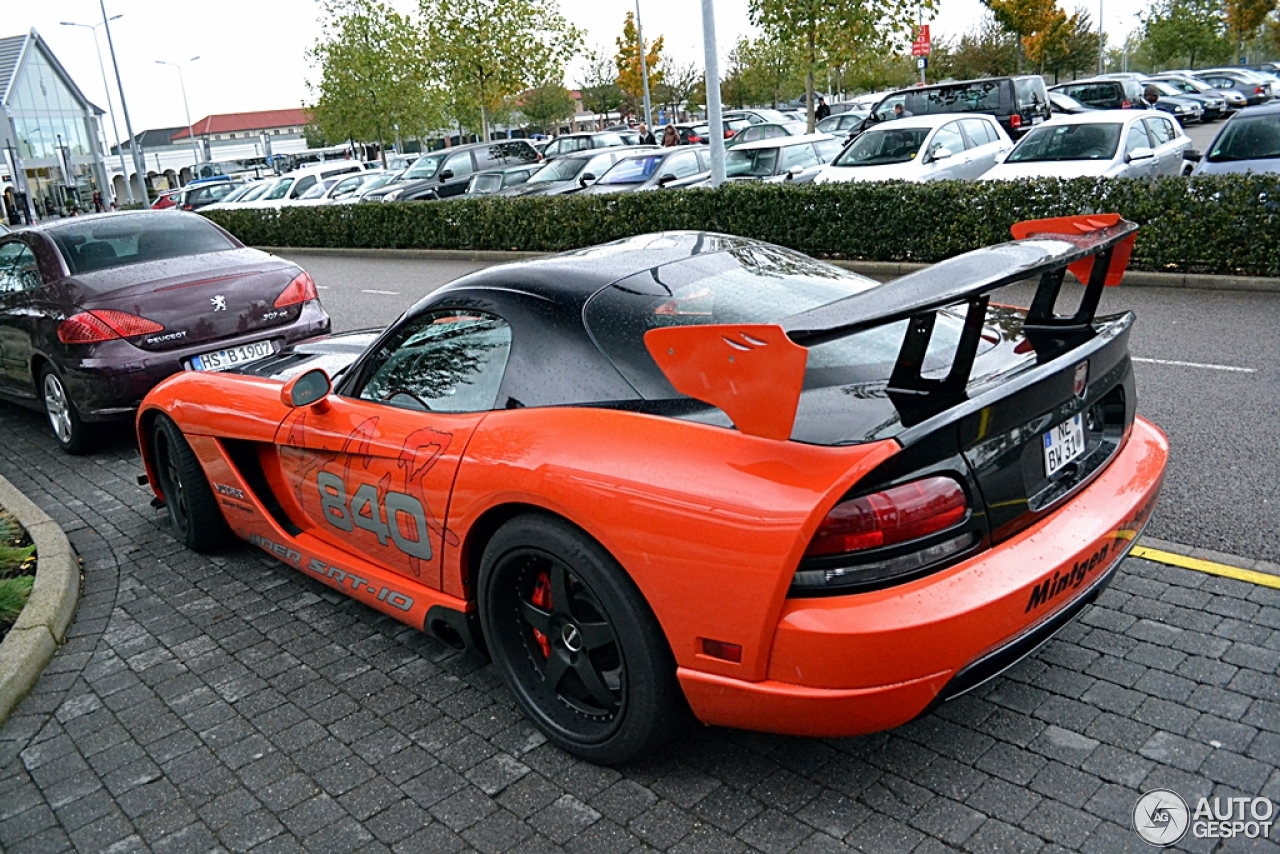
1192 563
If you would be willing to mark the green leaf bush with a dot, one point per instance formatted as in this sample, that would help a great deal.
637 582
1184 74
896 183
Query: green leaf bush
1219 224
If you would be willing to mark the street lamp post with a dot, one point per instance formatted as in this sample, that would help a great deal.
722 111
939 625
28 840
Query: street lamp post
644 69
195 149
1102 42
106 87
124 108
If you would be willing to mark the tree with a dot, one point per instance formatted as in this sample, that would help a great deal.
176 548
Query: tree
1075 51
627 60
488 51
599 85
771 69
828 32
372 77
1245 18
1036 23
988 50
679 82
546 106
1186 32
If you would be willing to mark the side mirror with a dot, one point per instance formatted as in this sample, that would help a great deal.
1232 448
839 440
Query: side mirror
1139 154
665 179
940 154
586 178
1192 155
446 175
310 388
795 172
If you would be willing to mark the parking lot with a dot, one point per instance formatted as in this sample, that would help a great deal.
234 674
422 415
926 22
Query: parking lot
229 702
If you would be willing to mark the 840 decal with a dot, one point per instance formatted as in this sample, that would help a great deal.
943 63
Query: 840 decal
365 510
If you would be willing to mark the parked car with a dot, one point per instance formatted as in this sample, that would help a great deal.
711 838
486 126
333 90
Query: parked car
771 130
1255 89
338 188
1233 98
447 172
1187 108
663 475
244 195
492 182
1248 142
1105 93
756 116
571 142
1213 107
96 310
656 169
572 172
1103 143
843 123
292 185
922 148
1017 103
779 160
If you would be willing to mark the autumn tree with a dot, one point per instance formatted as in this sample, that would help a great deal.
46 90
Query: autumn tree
547 106
488 51
627 61
1186 32
1075 50
599 85
1244 19
988 50
372 76
829 32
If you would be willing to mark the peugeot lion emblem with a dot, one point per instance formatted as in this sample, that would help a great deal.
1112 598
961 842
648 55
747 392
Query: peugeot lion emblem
219 302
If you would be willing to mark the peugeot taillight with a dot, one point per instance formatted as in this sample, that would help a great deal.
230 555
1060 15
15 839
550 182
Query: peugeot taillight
1015 121
301 289
886 537
90 327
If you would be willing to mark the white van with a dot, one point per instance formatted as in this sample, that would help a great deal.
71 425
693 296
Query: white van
290 186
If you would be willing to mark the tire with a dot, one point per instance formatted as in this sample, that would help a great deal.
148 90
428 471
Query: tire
72 434
192 508
598 677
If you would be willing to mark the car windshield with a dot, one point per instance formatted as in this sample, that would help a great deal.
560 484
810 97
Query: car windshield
1068 142
747 283
879 146
1163 88
99 244
424 167
561 169
237 194
380 180
1255 138
750 163
632 170
279 189
319 189
256 192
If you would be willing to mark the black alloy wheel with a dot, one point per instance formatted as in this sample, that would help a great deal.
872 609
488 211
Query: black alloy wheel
576 642
193 510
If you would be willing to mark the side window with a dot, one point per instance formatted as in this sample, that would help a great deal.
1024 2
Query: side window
459 164
443 361
978 132
598 164
774 132
301 185
1137 138
799 155
1160 129
682 165
18 268
346 187
948 137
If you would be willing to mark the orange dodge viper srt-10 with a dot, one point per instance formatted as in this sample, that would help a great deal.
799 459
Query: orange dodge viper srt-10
690 471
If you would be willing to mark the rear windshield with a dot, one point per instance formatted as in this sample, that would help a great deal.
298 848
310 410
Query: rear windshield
117 242
1256 138
754 283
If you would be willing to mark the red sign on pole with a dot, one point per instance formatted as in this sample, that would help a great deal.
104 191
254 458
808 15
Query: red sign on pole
920 47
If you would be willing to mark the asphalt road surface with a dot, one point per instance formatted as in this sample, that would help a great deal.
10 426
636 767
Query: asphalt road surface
1207 366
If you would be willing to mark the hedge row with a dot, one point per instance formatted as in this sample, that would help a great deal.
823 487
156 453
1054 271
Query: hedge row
1219 224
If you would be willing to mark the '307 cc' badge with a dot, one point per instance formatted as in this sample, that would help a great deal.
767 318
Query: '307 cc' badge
1081 380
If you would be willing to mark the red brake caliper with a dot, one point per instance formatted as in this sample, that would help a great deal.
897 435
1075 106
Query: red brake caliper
542 599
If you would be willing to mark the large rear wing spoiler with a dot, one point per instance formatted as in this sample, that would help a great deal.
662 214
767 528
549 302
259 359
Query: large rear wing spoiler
755 372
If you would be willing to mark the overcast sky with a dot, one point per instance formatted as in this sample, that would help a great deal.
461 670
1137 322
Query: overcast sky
252 52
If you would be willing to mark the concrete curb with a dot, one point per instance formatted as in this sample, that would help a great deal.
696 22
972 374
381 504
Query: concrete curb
43 623
874 269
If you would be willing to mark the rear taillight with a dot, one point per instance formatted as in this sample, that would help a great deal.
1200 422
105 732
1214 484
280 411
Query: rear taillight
1258 90
887 518
301 289
1015 121
89 327
1126 105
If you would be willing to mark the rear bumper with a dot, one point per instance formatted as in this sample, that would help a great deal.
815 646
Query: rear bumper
112 384
857 664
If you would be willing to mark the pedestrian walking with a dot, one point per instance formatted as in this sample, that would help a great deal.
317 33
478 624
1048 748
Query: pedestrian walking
646 135
97 202
670 137
1150 95
823 110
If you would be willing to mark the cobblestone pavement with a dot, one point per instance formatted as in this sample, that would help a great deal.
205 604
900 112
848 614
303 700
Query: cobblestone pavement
228 702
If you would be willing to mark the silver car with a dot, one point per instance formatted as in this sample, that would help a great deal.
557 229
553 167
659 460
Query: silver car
1100 144
922 148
